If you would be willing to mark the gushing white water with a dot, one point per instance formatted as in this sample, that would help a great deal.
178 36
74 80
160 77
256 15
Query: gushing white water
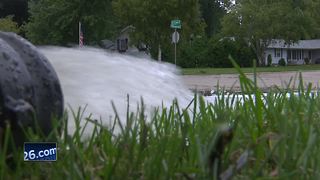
94 78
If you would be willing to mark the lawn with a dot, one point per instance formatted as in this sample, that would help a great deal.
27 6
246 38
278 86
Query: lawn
213 71
273 136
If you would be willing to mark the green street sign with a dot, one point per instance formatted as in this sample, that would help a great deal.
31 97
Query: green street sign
176 24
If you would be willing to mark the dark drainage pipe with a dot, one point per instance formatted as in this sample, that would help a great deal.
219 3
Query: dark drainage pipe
30 92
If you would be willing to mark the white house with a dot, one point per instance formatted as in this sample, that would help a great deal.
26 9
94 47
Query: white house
294 53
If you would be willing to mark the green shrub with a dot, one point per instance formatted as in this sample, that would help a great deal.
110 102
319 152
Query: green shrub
269 59
282 62
7 24
306 60
214 52
193 54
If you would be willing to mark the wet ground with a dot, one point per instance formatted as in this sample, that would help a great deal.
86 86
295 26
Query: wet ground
206 83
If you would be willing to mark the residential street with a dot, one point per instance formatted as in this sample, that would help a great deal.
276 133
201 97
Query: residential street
265 80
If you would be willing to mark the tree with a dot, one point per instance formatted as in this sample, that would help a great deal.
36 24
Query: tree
212 12
195 54
151 19
56 21
261 21
7 24
214 52
312 9
17 8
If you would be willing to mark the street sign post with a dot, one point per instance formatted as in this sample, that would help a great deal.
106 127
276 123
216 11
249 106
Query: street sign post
175 24
175 37
175 40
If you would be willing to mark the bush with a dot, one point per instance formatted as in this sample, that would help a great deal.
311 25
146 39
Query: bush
282 62
220 49
269 59
214 52
194 54
7 24
306 60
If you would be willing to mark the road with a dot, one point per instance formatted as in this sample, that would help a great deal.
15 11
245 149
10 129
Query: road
265 80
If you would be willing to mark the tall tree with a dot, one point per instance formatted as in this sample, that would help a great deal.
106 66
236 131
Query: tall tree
212 12
312 9
56 21
261 21
17 8
151 19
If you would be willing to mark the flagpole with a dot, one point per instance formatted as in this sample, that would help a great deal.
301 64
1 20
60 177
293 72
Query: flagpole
79 33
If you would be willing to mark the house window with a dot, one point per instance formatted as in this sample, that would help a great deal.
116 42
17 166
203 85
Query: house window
122 45
295 54
277 53
289 52
299 54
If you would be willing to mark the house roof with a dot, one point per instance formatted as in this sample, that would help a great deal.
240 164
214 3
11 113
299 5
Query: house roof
302 44
127 29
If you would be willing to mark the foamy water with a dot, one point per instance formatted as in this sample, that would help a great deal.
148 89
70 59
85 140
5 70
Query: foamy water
94 77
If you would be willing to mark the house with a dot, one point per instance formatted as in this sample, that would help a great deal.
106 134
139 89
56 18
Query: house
295 53
123 43
123 39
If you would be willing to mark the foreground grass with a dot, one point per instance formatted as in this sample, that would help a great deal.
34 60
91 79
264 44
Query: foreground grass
266 136
217 71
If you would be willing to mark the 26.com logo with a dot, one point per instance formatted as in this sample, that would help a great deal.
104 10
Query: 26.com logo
40 151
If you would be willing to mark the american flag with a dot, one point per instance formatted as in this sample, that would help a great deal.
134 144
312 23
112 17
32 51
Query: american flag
80 35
